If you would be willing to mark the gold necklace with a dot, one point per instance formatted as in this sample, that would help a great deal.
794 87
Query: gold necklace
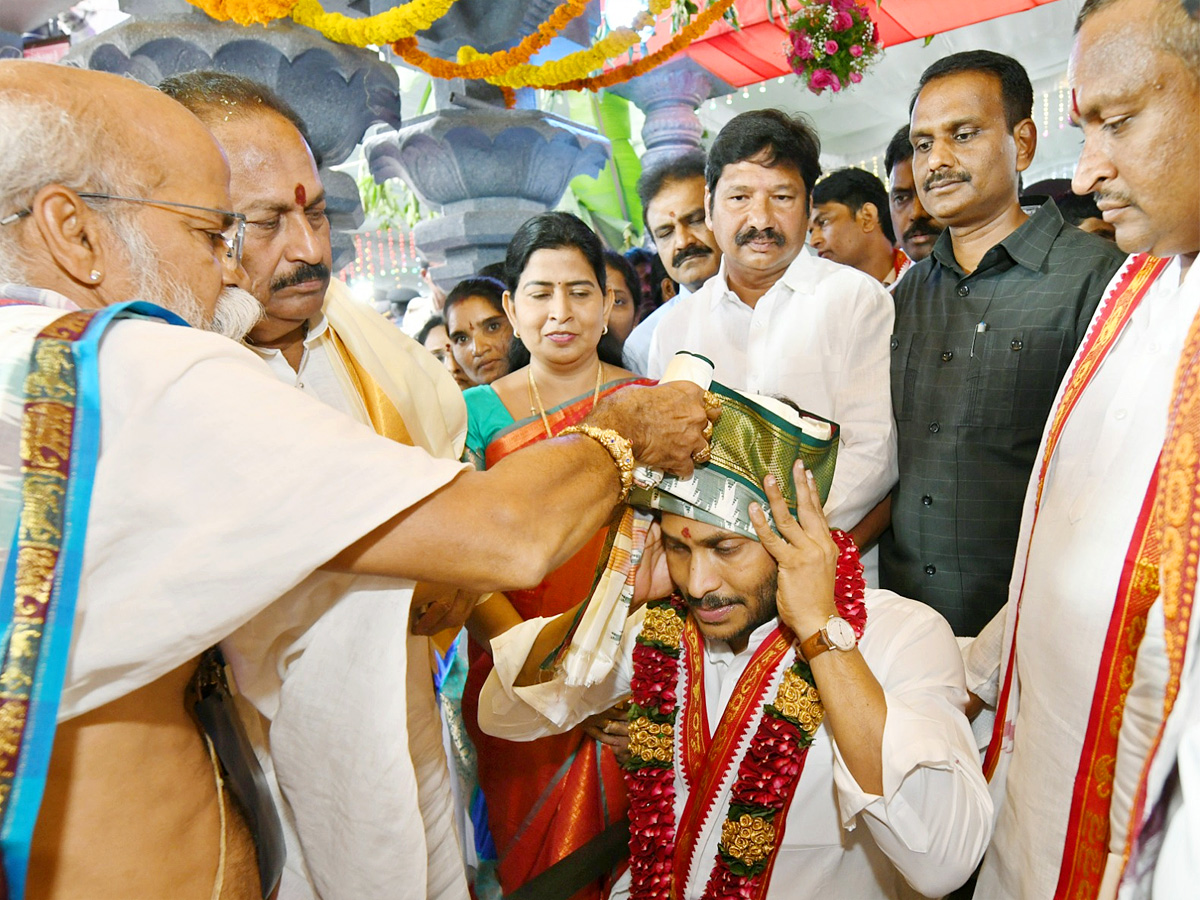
536 398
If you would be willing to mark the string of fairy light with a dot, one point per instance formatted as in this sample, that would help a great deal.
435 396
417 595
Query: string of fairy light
385 253
1045 103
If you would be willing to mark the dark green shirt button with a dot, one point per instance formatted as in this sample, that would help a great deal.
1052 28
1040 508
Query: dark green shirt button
934 427
927 500
947 356
931 570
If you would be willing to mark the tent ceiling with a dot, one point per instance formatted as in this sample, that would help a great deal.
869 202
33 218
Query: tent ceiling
855 125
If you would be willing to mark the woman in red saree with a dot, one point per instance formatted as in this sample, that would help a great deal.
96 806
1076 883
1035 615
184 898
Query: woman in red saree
546 798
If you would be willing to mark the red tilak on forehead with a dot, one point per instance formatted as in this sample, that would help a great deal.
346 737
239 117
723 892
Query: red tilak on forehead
1074 104
301 195
687 532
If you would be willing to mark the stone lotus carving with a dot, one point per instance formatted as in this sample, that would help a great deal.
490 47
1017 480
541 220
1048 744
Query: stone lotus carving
338 91
485 170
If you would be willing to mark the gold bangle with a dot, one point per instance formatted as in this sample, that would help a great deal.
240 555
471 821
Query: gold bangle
618 448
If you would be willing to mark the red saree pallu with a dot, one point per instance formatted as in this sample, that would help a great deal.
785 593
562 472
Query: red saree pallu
549 797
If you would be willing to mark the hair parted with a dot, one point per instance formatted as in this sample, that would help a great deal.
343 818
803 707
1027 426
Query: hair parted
434 321
1016 91
210 95
85 157
899 150
552 231
676 168
629 273
852 188
770 136
490 289
1175 27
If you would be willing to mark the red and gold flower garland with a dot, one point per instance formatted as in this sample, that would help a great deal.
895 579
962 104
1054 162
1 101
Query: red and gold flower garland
767 775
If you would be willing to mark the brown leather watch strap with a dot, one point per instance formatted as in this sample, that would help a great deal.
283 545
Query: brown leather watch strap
815 645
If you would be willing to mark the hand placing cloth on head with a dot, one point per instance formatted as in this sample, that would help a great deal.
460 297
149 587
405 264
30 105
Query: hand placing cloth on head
665 424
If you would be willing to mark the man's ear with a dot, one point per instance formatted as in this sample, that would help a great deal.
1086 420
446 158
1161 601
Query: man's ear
708 209
73 234
1025 135
868 217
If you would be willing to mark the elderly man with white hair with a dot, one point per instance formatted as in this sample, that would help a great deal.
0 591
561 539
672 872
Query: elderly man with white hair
150 507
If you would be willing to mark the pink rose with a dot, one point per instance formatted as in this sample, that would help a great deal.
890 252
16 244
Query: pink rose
831 47
843 4
821 79
802 45
855 77
855 50
841 21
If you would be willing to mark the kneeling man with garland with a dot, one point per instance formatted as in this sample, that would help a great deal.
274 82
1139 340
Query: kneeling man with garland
776 704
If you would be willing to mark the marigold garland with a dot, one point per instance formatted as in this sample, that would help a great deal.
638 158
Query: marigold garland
507 69
395 24
473 64
552 75
619 75
245 12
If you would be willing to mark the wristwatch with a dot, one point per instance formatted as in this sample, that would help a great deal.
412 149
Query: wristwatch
837 634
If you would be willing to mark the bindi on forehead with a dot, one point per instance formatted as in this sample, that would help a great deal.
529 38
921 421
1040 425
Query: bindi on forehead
301 195
687 532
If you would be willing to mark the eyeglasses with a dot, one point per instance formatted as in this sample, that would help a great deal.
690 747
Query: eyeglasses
233 235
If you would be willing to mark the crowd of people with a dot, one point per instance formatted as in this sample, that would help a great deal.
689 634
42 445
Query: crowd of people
897 604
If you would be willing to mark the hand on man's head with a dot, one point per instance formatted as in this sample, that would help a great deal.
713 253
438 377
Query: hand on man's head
804 552
665 424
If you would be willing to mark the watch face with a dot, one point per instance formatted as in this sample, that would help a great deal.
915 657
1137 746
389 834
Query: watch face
841 633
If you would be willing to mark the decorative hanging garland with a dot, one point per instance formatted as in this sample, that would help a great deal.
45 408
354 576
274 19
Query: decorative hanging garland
393 25
551 75
766 777
696 29
473 64
507 69
831 43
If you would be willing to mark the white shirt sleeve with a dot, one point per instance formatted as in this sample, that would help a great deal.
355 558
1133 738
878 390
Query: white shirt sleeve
528 713
205 499
981 657
867 464
934 818
655 364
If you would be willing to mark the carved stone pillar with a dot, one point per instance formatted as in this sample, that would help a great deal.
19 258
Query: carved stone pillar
669 96
485 171
337 90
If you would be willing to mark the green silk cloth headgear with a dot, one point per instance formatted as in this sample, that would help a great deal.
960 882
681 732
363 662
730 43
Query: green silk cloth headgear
753 437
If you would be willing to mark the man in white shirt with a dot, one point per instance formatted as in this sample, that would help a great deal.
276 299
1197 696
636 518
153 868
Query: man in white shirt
189 500
1106 517
778 320
763 639
672 196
